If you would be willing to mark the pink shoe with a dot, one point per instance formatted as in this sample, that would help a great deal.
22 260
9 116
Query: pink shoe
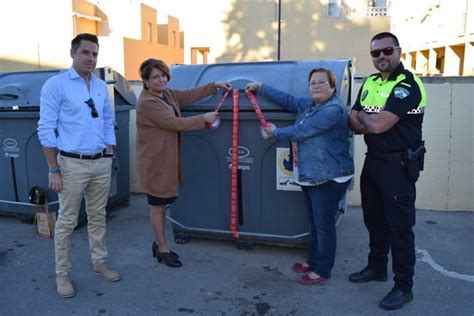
300 268
305 279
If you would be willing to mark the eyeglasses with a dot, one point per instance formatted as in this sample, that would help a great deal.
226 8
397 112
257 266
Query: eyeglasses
387 51
319 83
91 104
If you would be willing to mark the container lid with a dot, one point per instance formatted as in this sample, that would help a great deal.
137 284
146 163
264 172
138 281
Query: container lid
124 94
288 76
20 91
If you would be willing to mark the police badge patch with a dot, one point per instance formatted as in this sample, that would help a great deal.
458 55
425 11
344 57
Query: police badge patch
364 95
401 93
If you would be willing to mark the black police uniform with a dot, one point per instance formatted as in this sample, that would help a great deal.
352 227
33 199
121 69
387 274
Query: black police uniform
388 191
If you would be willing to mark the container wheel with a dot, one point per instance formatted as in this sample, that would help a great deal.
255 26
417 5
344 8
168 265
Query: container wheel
180 240
180 237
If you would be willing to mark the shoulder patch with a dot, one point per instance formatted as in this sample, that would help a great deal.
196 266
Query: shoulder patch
364 95
401 93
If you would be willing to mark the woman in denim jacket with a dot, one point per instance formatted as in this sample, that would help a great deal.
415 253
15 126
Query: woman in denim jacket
323 165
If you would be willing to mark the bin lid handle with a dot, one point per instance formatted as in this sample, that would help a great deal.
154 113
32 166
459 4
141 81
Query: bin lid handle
11 95
8 96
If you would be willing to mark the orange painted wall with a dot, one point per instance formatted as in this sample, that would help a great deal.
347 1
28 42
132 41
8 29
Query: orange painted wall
83 7
81 24
85 26
136 51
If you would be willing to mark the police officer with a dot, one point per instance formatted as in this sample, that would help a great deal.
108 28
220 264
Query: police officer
389 112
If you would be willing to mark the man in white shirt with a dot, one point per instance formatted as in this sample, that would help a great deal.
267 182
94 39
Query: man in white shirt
76 131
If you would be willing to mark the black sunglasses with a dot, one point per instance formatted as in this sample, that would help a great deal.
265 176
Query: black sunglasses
91 104
387 51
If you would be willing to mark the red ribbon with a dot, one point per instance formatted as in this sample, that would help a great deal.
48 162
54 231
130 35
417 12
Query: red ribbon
217 122
219 104
256 107
234 198
235 162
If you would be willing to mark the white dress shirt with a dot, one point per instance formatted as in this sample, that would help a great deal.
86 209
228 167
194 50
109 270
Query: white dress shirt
65 119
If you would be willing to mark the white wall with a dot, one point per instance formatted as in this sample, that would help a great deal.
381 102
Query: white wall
36 31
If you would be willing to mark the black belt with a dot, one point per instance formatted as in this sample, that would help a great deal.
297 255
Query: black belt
81 156
386 156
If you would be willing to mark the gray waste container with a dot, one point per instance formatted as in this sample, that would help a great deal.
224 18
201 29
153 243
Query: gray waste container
270 211
22 162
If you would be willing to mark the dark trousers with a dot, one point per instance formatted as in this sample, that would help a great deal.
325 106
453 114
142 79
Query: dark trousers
388 203
321 202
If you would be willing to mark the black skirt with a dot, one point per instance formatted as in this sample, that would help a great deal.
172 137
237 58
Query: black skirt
156 200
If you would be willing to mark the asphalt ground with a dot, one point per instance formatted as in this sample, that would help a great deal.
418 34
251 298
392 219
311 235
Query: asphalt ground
217 278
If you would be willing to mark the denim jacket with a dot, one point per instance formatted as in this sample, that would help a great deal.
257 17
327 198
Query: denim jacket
321 132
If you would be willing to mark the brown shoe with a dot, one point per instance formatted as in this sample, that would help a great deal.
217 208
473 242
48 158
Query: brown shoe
106 272
64 286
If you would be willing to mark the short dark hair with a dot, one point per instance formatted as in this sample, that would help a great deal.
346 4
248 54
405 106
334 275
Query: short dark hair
331 76
147 67
76 41
386 35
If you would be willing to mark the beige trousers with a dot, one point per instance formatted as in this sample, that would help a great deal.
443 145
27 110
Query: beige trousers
89 179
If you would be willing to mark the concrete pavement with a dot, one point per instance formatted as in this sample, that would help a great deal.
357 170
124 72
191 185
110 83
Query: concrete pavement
219 279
